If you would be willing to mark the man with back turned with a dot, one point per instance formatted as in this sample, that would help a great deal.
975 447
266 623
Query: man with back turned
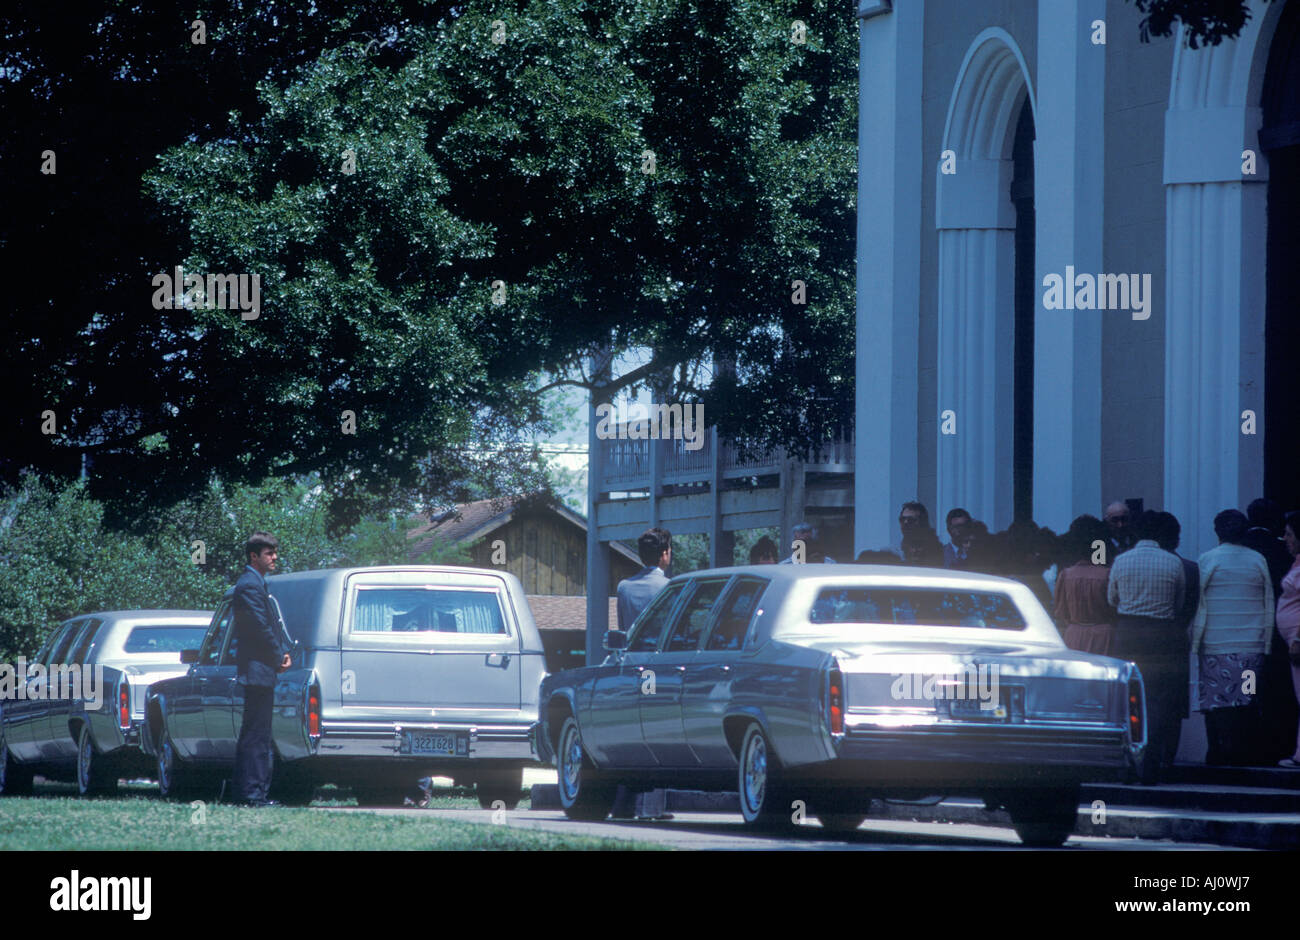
260 655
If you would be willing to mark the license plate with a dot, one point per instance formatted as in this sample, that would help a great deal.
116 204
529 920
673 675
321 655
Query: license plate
435 744
968 710
972 708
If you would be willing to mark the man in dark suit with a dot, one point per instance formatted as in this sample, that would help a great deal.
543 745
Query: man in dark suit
260 655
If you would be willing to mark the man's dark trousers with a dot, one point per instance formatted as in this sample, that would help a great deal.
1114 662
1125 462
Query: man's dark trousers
253 750
1160 650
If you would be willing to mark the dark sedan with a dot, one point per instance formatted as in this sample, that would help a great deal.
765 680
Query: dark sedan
820 687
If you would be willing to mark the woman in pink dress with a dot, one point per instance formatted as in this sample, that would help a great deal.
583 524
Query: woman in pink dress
1083 614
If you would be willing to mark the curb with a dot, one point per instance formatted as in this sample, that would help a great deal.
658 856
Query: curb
1257 830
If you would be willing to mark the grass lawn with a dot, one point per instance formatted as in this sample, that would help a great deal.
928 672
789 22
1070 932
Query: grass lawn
138 820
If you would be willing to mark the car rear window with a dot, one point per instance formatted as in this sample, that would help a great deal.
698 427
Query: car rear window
930 607
163 638
421 610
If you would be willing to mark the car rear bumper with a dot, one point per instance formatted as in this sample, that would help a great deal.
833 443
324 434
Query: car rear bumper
383 740
1004 754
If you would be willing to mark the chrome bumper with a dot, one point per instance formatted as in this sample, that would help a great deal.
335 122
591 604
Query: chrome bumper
992 746
383 740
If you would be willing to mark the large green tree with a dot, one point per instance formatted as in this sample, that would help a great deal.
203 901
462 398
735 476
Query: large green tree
520 188
493 143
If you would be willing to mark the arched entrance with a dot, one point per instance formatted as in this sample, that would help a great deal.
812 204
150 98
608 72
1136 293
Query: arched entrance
985 291
1279 139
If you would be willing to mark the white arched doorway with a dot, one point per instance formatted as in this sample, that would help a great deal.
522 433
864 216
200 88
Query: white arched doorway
976 222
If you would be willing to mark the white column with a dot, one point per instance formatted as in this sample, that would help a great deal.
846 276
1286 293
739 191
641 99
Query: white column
890 164
1215 288
1215 327
1069 155
976 341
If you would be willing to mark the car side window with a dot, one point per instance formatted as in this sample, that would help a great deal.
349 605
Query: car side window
210 654
86 641
694 618
650 625
737 612
59 650
230 657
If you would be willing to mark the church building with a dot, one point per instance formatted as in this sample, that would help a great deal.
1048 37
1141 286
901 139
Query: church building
1078 274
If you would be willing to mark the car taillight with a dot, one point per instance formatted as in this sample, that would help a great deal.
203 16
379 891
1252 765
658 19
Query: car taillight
313 713
835 702
1136 716
124 705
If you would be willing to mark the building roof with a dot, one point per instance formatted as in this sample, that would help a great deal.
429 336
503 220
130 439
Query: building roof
565 612
469 522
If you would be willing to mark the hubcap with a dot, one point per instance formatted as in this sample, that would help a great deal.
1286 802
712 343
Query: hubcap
572 761
755 773
164 767
83 766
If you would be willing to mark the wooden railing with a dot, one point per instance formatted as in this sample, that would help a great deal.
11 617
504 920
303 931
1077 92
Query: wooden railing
626 462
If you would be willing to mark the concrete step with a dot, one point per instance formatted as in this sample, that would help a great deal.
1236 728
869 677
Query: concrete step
1276 778
1189 796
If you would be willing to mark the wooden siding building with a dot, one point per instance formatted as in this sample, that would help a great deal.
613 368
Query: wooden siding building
543 544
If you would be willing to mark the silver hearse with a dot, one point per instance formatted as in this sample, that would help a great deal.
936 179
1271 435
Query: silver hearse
398 673
93 736
825 686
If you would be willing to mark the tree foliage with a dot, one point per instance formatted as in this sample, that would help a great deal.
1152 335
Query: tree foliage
61 558
1206 22
522 162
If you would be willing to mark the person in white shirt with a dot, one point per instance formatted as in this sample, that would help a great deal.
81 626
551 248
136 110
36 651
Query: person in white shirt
1231 633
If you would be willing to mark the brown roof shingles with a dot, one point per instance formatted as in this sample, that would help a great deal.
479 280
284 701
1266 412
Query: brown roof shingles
469 519
563 612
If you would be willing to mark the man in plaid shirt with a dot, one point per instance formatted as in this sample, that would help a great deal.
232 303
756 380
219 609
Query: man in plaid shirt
1146 588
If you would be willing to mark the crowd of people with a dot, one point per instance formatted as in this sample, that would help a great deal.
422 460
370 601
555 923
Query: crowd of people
1220 635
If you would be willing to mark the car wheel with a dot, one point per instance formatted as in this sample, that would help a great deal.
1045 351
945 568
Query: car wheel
1044 819
583 796
506 786
175 780
15 780
764 803
95 776
376 797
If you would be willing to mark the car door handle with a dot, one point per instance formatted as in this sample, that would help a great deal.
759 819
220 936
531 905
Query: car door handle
724 668
501 660
681 668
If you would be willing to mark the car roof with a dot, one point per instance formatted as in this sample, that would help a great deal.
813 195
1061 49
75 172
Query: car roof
148 616
873 574
339 574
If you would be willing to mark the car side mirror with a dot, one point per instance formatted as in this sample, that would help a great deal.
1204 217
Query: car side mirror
615 640
189 656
